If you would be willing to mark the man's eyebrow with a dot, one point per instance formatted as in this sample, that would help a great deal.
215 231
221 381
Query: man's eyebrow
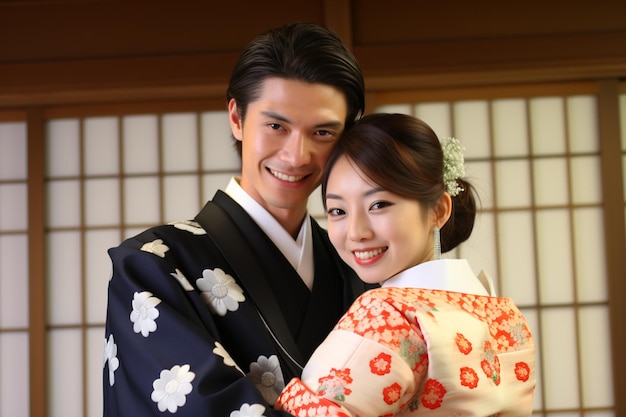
274 115
280 117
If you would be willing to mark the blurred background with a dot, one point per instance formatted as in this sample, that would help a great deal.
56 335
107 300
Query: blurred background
113 119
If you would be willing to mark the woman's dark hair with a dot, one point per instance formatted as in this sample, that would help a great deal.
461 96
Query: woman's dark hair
403 155
297 51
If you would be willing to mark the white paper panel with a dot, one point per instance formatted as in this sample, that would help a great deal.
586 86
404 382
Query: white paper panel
590 255
471 127
597 371
64 278
480 248
582 124
14 281
182 201
101 141
480 176
437 116
556 278
141 200
13 156
560 363
102 202
132 231
98 271
550 181
517 263
14 371
13 207
586 180
95 352
315 204
547 130
512 183
63 148
599 414
211 183
395 108
218 148
510 127
140 144
65 377
63 203
180 142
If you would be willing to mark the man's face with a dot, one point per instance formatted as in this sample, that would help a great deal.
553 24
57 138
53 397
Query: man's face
287 137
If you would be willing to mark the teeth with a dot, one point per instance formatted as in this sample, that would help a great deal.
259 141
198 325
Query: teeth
368 254
289 178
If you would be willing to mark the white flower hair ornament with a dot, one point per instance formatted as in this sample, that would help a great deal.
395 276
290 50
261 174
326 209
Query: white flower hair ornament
453 167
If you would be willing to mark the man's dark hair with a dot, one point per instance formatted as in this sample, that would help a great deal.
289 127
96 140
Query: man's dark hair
297 51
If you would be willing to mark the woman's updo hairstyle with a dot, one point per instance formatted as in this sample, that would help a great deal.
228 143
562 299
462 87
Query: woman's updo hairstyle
403 155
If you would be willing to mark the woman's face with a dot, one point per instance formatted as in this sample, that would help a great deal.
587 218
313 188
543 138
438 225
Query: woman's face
375 232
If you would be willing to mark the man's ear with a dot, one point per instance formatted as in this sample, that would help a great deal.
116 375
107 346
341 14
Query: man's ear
443 210
236 124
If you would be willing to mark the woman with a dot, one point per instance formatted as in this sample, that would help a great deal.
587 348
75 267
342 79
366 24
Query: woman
433 340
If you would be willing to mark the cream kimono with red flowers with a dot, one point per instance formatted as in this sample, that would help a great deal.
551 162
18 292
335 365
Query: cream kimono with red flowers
447 348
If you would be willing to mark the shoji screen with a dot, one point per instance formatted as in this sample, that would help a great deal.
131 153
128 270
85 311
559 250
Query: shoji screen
14 320
108 178
536 167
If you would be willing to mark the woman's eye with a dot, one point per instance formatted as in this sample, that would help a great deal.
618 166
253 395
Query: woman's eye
335 212
380 205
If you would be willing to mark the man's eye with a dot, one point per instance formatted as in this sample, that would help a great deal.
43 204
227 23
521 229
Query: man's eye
275 126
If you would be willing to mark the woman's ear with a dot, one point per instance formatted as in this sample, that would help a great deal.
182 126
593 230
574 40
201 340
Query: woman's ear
443 210
236 124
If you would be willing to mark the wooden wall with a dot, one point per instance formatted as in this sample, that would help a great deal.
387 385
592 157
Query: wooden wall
94 51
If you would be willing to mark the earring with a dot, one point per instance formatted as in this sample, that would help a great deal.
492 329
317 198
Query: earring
437 246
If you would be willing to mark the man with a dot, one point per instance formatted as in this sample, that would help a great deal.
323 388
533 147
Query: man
213 316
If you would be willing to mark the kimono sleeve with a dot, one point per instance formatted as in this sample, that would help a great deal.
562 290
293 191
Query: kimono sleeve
372 364
161 354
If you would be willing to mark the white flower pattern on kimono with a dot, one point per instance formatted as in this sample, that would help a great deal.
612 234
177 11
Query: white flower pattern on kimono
228 360
144 313
172 387
189 226
220 291
247 410
156 247
266 375
182 280
110 356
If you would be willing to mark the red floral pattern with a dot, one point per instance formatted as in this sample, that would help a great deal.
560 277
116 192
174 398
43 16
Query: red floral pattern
464 345
433 394
335 384
469 377
392 393
381 364
522 371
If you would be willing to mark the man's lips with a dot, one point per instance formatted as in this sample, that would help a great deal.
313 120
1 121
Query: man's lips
286 177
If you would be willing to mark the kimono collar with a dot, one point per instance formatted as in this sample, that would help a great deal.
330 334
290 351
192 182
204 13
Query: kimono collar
298 252
445 274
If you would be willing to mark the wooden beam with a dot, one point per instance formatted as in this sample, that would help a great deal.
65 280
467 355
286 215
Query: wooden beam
614 227
37 259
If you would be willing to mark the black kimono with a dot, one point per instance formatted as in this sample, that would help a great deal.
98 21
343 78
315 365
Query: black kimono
208 318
